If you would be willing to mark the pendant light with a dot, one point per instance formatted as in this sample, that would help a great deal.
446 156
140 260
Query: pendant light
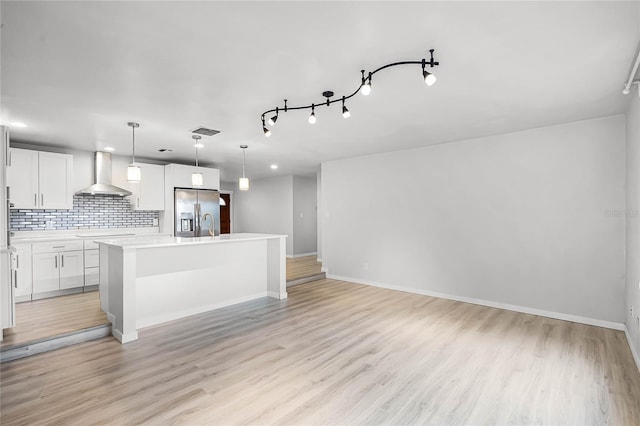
197 179
133 171
243 182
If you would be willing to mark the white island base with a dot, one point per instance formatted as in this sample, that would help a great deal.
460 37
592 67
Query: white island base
144 282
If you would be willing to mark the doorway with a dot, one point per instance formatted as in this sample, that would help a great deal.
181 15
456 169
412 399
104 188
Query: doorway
226 212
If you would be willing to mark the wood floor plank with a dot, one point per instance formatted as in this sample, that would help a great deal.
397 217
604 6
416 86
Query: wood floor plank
46 318
335 353
301 267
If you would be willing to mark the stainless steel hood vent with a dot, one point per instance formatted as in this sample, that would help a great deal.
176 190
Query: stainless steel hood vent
102 185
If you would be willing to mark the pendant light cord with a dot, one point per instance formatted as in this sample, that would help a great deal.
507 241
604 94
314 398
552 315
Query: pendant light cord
133 130
243 160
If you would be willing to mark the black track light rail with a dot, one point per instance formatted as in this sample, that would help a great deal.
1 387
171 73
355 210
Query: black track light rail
365 80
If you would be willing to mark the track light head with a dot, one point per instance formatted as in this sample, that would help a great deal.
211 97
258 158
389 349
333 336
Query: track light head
429 78
267 132
365 87
272 120
345 110
312 117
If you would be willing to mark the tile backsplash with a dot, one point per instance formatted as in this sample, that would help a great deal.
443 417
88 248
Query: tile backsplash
89 211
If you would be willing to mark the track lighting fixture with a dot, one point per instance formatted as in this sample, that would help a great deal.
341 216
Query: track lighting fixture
312 117
133 171
243 182
266 131
364 88
345 110
272 120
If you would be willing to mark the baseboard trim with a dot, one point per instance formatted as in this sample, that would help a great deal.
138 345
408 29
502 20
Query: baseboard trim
488 303
277 295
325 270
634 352
295 256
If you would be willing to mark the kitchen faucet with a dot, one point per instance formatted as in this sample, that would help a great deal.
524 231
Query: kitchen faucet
204 218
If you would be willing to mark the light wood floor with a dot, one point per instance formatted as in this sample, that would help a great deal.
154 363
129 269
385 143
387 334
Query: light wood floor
58 315
47 318
302 267
336 353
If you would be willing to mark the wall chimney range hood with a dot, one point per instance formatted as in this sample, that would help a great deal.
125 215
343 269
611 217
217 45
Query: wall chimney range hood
102 185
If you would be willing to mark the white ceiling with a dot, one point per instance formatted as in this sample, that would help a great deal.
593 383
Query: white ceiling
76 72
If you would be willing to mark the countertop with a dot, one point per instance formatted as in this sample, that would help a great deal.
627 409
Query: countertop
166 241
81 234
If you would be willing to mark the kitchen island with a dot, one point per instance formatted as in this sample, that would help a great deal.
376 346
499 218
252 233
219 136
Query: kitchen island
148 281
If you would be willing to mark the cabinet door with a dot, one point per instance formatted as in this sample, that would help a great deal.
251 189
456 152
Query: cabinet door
54 180
71 269
22 268
46 272
149 193
22 178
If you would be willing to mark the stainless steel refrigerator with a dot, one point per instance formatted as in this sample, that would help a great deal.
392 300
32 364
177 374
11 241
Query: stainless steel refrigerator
7 274
197 212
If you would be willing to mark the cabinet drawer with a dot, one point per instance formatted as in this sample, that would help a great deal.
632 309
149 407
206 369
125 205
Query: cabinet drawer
91 276
91 258
56 246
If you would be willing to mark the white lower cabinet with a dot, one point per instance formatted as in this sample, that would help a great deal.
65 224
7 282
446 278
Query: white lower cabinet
71 269
23 282
46 275
57 266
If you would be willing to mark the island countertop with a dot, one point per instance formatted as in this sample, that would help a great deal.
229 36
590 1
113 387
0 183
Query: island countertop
166 241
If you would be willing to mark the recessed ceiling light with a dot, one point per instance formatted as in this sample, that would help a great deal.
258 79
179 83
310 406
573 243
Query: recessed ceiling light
109 148
17 124
274 167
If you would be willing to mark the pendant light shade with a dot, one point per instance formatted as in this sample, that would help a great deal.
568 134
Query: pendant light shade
243 182
134 174
197 180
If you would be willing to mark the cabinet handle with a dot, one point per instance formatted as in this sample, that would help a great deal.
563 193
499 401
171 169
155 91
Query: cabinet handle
58 246
17 261
15 279
56 260
62 257
35 200
138 201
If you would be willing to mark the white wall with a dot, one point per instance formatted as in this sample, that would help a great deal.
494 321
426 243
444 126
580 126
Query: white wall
518 219
266 208
318 210
632 215
304 215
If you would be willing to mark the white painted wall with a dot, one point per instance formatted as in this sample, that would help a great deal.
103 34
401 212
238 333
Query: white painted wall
305 221
632 215
318 210
266 208
518 219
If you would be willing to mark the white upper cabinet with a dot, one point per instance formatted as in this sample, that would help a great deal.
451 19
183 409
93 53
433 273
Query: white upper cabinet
179 176
149 193
40 180
22 178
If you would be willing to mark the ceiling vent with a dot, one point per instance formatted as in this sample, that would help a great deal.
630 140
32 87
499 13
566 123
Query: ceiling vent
201 130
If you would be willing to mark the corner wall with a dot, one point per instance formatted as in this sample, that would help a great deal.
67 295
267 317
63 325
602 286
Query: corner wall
531 220
632 295
266 208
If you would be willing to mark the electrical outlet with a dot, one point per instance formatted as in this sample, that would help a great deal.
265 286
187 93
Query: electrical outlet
633 312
